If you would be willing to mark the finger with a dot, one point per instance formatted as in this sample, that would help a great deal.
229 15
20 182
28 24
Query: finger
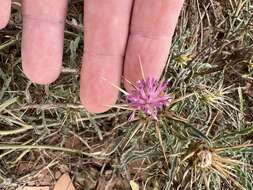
106 25
152 27
5 10
42 39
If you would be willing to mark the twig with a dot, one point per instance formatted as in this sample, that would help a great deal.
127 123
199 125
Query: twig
24 127
47 147
49 106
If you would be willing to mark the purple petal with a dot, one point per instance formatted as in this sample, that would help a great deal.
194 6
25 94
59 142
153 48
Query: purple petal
149 96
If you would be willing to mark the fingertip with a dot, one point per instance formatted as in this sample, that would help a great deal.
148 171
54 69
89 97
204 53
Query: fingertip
97 102
5 10
37 73
42 51
98 73
41 56
92 106
3 23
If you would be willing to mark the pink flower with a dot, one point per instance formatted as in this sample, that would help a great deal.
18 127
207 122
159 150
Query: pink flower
149 96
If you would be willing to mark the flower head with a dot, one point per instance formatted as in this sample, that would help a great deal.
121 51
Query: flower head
149 96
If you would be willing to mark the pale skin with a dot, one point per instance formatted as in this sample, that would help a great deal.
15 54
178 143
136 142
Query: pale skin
117 33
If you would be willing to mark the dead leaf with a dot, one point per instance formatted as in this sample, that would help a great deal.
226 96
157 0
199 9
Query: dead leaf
73 142
64 183
35 188
44 178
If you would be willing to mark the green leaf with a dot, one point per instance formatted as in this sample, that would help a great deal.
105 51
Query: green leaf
235 134
197 133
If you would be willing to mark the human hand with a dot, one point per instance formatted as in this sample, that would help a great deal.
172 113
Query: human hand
115 32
